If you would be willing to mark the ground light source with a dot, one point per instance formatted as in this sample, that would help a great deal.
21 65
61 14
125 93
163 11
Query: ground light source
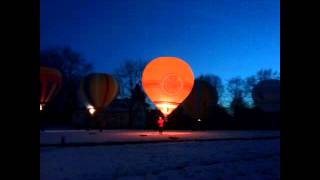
91 109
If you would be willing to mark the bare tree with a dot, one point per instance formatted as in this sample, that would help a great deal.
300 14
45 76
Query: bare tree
236 87
68 62
129 75
238 103
251 81
265 74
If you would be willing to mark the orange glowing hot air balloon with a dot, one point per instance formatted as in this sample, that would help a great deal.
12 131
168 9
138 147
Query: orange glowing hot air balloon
167 81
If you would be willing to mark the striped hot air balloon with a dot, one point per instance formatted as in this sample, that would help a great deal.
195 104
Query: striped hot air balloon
97 90
202 97
50 83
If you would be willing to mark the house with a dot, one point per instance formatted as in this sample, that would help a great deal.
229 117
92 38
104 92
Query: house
115 116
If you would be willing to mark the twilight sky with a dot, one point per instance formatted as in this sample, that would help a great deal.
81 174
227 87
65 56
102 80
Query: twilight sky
223 37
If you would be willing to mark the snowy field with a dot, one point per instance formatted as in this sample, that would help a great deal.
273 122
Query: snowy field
220 160
54 137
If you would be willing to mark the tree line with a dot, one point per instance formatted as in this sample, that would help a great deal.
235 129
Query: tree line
234 108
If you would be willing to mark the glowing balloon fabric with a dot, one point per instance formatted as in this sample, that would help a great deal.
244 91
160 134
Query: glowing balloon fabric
202 97
167 81
50 82
97 91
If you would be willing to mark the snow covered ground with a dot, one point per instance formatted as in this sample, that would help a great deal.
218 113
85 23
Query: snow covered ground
229 160
54 137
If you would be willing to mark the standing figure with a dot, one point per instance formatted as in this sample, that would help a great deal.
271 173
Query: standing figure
161 124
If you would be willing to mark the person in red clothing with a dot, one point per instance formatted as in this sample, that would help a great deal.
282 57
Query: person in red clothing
161 124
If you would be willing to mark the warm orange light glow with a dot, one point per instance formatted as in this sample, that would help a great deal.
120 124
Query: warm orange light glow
91 109
166 108
167 81
41 107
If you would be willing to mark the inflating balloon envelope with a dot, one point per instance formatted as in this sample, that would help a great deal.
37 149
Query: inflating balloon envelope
50 83
97 90
167 81
201 99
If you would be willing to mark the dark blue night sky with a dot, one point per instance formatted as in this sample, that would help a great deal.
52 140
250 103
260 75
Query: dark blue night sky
223 37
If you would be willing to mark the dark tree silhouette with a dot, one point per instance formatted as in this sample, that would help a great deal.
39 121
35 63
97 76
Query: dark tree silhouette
238 103
265 74
128 74
68 61
138 108
241 93
215 81
236 87
179 120
219 118
251 81
137 94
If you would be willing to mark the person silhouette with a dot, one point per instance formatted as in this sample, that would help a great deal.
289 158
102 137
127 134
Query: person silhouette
161 124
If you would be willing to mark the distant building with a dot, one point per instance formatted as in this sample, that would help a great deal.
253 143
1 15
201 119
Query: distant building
116 116
139 115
